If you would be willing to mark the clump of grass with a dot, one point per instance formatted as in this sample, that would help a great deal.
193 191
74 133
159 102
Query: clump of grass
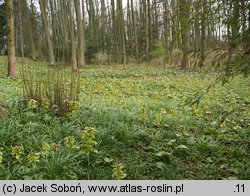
51 88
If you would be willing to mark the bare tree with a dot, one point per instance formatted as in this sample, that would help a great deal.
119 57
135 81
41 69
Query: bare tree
43 4
80 33
184 22
11 39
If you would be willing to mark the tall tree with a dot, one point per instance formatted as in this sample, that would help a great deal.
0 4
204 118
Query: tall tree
81 44
122 37
72 36
146 5
20 29
235 26
51 57
247 50
11 39
135 31
28 26
203 32
184 13
166 17
114 30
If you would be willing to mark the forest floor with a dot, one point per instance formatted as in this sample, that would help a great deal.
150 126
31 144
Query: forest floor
144 120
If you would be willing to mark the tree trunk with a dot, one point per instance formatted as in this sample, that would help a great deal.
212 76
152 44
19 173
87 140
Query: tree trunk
103 26
11 37
244 24
166 31
81 45
247 37
147 28
122 37
46 31
20 29
203 32
184 22
72 36
235 25
197 37
135 31
29 30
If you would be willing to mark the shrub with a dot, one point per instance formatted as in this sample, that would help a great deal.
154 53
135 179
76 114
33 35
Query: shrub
51 88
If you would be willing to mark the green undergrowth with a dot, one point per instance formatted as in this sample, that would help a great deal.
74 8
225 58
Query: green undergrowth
150 124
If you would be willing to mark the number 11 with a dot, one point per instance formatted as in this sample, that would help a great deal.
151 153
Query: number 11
240 188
